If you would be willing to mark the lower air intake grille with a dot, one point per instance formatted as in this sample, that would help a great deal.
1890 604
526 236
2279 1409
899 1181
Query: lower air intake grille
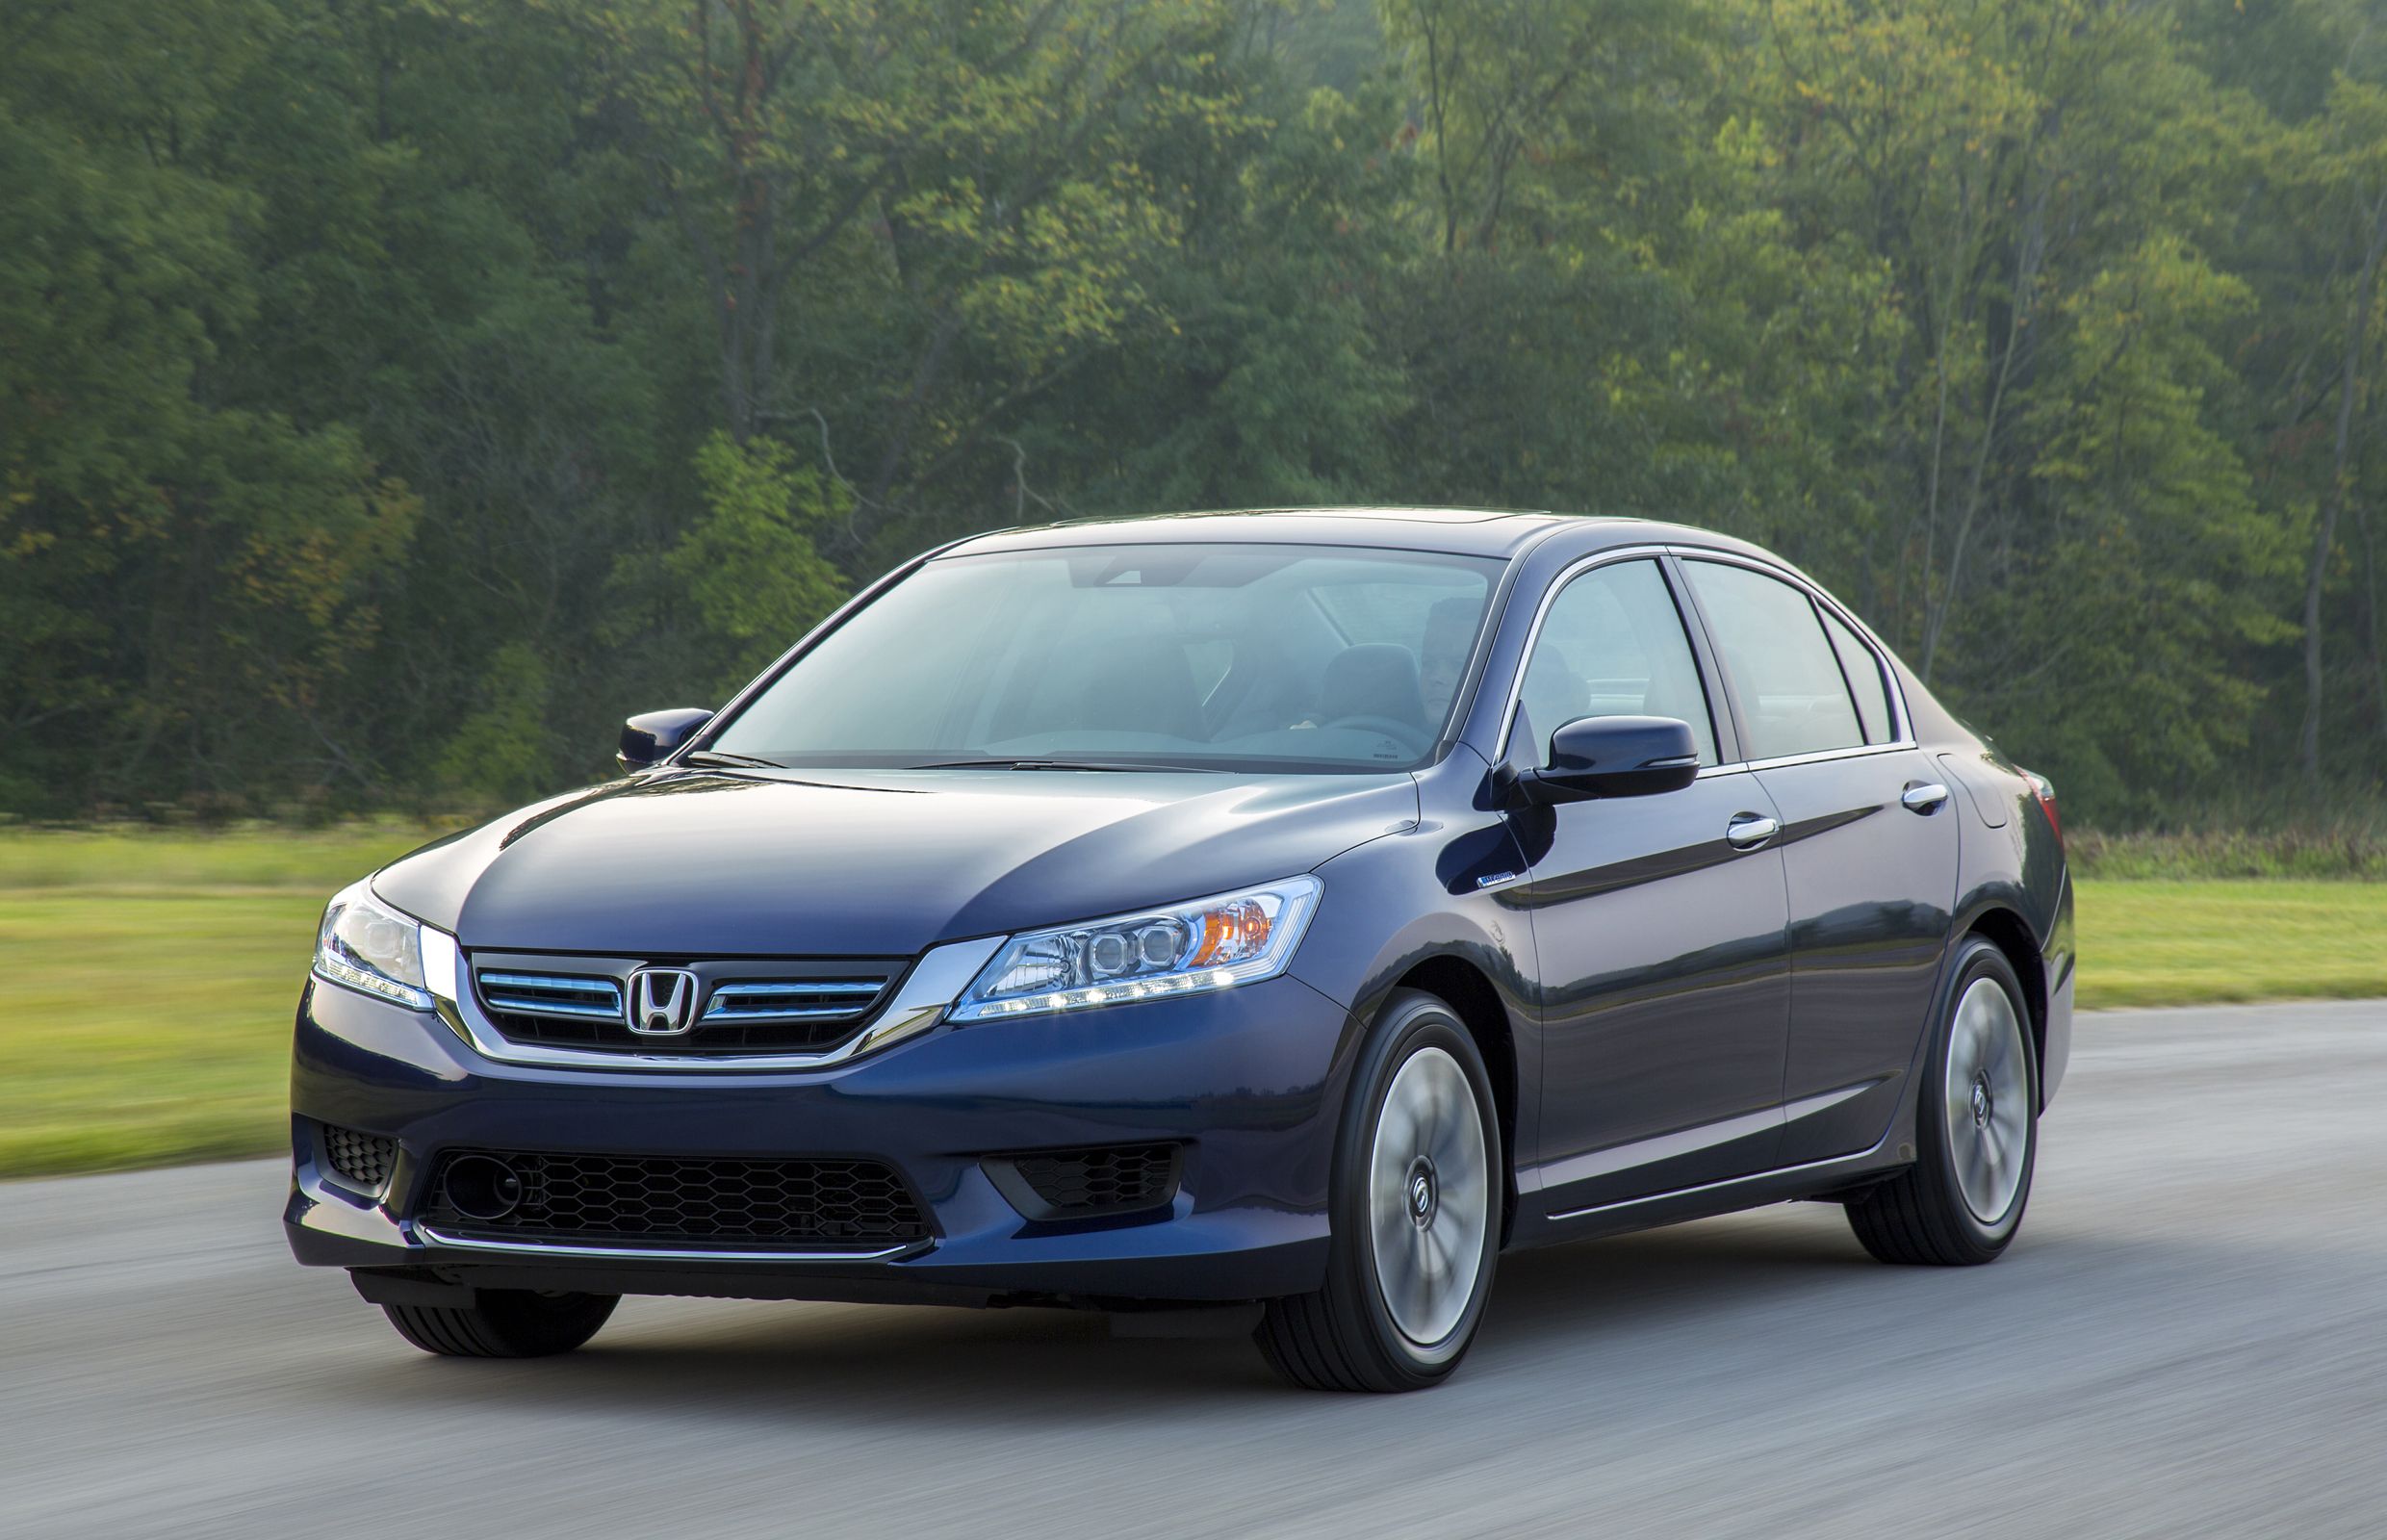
363 1159
1090 1183
631 1200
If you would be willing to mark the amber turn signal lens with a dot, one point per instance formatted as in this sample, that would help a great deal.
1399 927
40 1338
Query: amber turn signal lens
1232 933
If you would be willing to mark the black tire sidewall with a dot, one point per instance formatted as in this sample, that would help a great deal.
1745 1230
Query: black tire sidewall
1978 960
1409 1023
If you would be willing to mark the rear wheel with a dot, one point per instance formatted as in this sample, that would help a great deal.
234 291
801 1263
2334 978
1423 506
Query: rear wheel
1962 1201
1416 1215
504 1324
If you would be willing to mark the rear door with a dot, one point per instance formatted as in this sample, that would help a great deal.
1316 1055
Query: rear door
1869 846
1663 948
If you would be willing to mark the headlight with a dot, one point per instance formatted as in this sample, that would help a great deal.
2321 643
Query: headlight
1210 944
370 947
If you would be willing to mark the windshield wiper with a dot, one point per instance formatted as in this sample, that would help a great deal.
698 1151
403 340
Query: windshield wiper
714 756
1047 765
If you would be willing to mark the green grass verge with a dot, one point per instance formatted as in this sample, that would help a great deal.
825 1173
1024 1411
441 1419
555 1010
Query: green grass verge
151 984
151 977
2197 942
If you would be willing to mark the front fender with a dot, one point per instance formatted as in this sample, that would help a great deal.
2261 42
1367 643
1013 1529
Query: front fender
1432 898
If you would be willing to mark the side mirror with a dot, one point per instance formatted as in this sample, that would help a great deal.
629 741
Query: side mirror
1613 756
651 737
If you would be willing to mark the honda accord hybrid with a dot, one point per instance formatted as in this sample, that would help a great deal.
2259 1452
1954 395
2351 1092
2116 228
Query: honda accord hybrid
1257 920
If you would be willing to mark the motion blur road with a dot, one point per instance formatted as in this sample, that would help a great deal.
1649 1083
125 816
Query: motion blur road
2188 1339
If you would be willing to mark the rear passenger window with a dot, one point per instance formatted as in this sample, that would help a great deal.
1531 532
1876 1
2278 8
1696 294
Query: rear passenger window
1783 673
1613 645
1865 677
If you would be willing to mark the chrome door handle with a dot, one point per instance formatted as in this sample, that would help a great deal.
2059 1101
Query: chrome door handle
1749 830
1923 797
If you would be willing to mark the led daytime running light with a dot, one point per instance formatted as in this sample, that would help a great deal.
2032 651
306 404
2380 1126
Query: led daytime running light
365 945
1190 948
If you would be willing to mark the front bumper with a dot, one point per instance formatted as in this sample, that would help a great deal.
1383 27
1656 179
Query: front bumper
1245 1080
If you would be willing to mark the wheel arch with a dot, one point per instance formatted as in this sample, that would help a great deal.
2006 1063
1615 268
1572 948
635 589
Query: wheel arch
2010 934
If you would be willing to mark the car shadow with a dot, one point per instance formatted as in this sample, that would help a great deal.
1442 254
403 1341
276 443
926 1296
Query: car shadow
857 1362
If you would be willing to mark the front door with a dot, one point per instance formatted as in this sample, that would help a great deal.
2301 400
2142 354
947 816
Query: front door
1660 922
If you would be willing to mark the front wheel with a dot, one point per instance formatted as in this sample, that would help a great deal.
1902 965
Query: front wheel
1962 1201
1416 1209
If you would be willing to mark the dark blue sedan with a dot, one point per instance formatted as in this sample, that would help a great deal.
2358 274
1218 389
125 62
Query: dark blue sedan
1274 915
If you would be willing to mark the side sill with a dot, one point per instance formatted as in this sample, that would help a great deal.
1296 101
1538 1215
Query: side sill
1823 1169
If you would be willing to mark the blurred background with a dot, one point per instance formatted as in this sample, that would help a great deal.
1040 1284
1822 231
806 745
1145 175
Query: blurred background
394 393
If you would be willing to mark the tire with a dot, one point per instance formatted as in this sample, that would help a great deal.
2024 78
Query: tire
504 1324
1403 1293
1977 1128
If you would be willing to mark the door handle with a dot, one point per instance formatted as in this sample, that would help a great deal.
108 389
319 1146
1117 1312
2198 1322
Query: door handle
1749 830
1923 797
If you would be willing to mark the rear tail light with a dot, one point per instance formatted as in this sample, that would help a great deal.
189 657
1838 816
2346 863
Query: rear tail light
2045 791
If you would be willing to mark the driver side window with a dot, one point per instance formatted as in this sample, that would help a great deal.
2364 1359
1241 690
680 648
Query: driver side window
1614 645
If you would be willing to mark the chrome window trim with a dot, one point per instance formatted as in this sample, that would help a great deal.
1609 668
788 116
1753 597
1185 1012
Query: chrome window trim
1819 757
426 1234
1905 736
920 1001
1904 741
1534 633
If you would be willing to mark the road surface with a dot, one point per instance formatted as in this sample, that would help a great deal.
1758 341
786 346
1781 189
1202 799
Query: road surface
2188 1339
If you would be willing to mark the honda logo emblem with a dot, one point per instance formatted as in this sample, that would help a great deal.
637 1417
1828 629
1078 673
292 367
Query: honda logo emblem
662 1002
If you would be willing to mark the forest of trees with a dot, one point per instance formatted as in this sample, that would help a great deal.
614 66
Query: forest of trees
395 393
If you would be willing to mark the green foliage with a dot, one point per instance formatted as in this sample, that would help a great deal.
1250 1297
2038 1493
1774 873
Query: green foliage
2302 853
746 566
394 393
500 752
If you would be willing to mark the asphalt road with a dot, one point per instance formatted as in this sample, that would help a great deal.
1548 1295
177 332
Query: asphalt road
2188 1339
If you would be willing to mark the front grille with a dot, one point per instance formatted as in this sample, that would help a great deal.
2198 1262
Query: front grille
550 994
663 1200
798 1005
363 1159
1090 1183
791 1000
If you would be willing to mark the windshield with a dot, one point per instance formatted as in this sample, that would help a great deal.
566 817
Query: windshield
1210 656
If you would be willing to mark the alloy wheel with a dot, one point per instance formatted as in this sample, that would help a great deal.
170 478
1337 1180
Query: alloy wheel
1429 1196
1988 1090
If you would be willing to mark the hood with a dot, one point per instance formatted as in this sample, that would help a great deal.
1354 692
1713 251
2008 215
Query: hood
730 863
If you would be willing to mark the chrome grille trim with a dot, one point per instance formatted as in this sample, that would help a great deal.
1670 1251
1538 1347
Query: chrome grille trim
425 1234
777 999
914 1007
534 994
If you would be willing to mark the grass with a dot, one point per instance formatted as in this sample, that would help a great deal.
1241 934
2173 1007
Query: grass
2192 942
150 978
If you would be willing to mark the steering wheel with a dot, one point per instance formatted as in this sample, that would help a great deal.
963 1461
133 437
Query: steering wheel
1411 738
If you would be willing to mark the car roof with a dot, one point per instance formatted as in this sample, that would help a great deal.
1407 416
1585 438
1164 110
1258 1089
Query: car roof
1501 532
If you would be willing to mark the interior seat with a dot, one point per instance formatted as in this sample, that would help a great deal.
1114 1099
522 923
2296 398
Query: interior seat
1144 684
1372 679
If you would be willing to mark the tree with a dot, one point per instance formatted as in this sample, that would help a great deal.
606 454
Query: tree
188 572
